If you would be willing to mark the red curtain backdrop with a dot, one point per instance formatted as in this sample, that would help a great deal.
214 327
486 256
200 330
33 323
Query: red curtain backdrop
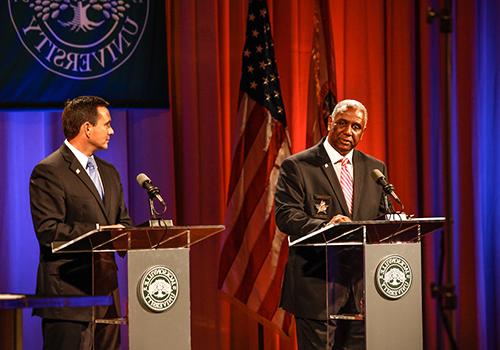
388 57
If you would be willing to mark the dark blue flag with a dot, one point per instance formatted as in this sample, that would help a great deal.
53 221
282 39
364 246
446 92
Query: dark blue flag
52 50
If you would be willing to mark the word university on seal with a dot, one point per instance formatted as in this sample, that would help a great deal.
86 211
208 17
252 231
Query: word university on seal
158 288
80 39
393 277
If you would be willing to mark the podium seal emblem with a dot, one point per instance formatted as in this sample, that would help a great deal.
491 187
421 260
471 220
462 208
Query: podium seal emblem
158 288
393 277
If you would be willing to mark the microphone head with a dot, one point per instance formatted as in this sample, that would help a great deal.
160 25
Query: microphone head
377 175
142 178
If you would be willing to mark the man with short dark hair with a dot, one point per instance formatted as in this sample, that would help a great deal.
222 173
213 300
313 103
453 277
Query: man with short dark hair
327 183
71 191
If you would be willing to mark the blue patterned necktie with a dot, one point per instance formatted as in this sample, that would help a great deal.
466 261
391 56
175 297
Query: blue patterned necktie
94 176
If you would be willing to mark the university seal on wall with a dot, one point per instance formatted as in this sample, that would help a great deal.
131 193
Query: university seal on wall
80 39
393 277
158 288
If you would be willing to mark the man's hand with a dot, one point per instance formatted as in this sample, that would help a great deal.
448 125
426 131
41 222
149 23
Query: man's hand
110 227
339 218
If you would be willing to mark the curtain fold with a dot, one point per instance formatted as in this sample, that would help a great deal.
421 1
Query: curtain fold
483 182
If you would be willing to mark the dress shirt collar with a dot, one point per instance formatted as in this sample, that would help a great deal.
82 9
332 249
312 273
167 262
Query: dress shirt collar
334 155
82 158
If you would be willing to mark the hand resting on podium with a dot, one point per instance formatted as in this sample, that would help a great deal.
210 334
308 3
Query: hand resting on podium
339 218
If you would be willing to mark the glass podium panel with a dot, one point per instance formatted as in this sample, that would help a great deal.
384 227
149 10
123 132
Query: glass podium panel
370 232
113 239
361 249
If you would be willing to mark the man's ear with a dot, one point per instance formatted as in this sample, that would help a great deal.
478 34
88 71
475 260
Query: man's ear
86 128
330 123
362 134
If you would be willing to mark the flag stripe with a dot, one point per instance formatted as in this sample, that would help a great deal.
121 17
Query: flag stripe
256 228
256 259
264 281
254 252
249 168
263 244
252 197
251 234
256 119
271 299
262 268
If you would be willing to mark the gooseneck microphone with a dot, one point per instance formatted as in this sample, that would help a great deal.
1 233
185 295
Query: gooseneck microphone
153 192
387 187
155 219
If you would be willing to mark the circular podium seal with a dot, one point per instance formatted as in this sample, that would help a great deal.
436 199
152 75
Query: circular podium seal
158 288
83 39
393 277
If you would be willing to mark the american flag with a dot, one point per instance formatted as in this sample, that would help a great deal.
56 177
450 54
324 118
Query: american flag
254 252
322 82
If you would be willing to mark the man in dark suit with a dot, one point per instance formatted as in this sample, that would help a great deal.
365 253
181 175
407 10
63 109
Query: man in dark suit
70 192
327 183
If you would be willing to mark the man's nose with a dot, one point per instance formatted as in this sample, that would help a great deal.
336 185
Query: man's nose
111 131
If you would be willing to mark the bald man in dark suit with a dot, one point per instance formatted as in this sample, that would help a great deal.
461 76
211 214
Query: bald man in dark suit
309 195
70 192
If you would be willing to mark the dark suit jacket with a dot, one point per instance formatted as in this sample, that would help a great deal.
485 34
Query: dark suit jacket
306 179
64 205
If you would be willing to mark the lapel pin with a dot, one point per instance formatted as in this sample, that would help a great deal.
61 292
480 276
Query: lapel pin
77 171
321 207
326 165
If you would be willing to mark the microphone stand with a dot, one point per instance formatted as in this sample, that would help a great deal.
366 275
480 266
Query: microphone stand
153 213
152 191
388 209
390 213
155 219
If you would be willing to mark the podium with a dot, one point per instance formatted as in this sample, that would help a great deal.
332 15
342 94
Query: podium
158 273
391 251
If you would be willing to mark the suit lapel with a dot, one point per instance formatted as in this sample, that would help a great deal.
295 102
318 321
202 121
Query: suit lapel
329 171
76 169
360 172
